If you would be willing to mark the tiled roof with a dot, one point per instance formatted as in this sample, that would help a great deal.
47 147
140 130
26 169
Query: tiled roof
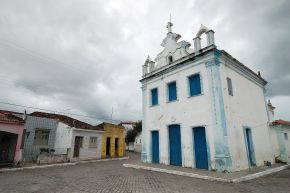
102 125
281 122
67 120
8 117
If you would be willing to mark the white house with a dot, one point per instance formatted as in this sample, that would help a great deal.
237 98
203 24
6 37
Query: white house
138 143
69 138
202 108
279 132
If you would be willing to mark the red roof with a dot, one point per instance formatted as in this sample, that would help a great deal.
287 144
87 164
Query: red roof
67 120
281 122
7 117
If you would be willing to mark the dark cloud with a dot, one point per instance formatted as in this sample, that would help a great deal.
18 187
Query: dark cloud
87 56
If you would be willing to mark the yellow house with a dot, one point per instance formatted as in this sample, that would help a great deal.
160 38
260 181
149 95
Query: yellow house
113 140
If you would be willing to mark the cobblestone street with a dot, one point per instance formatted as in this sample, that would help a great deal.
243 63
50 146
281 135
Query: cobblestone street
110 176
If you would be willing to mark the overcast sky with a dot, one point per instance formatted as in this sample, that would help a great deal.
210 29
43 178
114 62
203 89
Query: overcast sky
85 57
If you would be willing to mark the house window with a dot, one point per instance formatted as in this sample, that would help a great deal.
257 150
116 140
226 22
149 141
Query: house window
230 86
172 93
154 97
93 142
286 136
194 85
41 137
170 59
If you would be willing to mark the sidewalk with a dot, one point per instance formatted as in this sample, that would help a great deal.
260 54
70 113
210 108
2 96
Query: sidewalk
235 177
35 166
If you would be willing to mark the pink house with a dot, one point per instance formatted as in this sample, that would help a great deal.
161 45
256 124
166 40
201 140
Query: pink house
11 131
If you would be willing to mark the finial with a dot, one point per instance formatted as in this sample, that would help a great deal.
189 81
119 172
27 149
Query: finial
169 25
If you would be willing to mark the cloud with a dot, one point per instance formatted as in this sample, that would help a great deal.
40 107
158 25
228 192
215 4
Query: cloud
87 56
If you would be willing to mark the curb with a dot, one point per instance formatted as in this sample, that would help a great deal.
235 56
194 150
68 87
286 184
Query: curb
103 160
36 167
260 174
192 175
60 164
210 178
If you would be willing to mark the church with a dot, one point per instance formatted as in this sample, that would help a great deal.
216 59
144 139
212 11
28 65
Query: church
202 108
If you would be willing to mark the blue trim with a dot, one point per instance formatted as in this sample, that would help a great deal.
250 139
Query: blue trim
223 159
171 91
249 139
194 84
154 96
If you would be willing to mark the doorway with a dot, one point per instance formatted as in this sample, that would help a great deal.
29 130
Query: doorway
155 147
78 145
250 147
200 148
8 143
175 145
108 146
116 146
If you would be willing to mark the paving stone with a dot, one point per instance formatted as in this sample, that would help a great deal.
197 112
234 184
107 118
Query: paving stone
111 176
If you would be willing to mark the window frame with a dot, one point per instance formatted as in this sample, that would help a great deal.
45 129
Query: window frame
44 133
230 86
200 83
93 144
167 91
151 97
169 59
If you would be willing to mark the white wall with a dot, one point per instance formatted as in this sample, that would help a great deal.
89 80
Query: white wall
138 143
187 111
87 152
63 138
246 108
280 145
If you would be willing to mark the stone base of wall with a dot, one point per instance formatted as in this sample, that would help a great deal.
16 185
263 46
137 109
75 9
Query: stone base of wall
51 158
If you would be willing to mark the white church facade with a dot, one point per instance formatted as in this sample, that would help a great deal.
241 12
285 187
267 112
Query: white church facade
202 108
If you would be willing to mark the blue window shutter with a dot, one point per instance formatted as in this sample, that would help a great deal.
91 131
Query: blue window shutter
154 96
172 95
194 85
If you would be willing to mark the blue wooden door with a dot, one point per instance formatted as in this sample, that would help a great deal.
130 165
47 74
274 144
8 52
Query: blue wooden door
175 145
250 147
200 148
155 147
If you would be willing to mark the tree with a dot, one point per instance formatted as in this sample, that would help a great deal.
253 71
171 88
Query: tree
131 134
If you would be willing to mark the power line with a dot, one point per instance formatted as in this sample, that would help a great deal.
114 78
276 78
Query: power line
59 112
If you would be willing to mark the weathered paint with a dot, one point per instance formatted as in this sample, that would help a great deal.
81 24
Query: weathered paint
113 131
31 151
213 108
222 158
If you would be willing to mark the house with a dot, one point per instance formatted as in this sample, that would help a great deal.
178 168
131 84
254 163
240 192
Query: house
11 130
62 135
279 132
113 142
128 125
202 108
138 143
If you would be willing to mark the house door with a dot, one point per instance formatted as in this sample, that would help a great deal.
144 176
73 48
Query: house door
8 143
155 147
108 146
116 146
200 148
78 145
249 146
175 145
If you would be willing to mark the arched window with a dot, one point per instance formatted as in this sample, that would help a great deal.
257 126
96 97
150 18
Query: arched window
170 59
